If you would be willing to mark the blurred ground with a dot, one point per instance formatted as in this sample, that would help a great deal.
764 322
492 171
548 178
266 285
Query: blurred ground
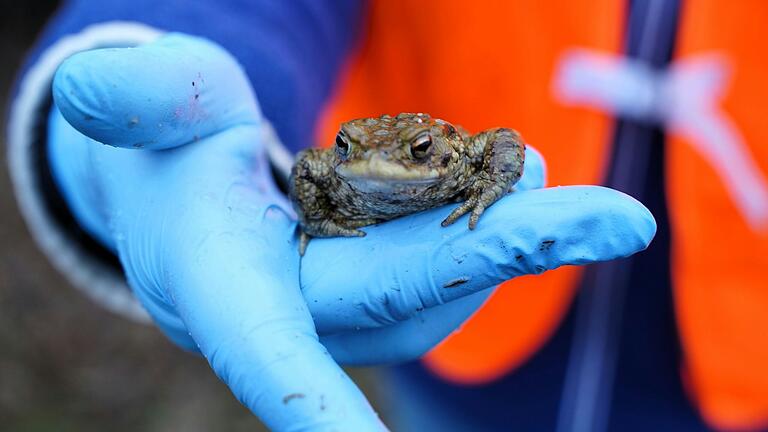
65 364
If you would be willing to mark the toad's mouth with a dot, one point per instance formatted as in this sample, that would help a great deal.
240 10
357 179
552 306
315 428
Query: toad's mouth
378 170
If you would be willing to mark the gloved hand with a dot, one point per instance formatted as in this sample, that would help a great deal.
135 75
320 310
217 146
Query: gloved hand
209 244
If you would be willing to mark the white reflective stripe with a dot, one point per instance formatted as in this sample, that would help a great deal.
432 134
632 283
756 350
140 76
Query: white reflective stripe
694 87
685 98
102 285
613 84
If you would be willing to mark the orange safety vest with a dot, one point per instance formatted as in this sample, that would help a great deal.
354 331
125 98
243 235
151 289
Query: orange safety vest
493 65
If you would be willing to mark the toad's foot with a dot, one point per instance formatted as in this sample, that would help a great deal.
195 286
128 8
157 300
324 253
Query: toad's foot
477 202
303 242
503 155
324 228
357 223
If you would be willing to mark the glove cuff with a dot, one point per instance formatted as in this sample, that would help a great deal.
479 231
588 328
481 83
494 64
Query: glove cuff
85 263
88 266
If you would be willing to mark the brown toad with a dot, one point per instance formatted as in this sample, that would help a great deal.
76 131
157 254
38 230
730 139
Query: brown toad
382 168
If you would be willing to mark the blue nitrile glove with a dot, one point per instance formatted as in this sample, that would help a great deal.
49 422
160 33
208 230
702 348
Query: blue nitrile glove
210 247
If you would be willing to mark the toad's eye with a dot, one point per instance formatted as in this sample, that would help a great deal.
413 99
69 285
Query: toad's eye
420 146
342 146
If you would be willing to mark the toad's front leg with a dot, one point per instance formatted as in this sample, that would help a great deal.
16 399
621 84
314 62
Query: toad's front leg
500 155
310 178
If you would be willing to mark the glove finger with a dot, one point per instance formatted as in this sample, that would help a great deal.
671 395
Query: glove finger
175 90
219 255
259 337
406 265
403 341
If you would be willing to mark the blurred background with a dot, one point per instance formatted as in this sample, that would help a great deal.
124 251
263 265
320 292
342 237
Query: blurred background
68 365
65 363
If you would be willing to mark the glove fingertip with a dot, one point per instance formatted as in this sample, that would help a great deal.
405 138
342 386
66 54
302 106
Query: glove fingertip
632 222
174 91
88 89
645 223
64 90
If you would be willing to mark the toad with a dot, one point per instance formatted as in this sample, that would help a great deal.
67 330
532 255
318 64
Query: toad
386 167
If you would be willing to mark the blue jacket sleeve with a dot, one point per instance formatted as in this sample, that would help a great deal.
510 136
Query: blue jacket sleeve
291 50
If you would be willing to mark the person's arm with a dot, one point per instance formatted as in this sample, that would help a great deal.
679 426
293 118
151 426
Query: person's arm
291 53
183 195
